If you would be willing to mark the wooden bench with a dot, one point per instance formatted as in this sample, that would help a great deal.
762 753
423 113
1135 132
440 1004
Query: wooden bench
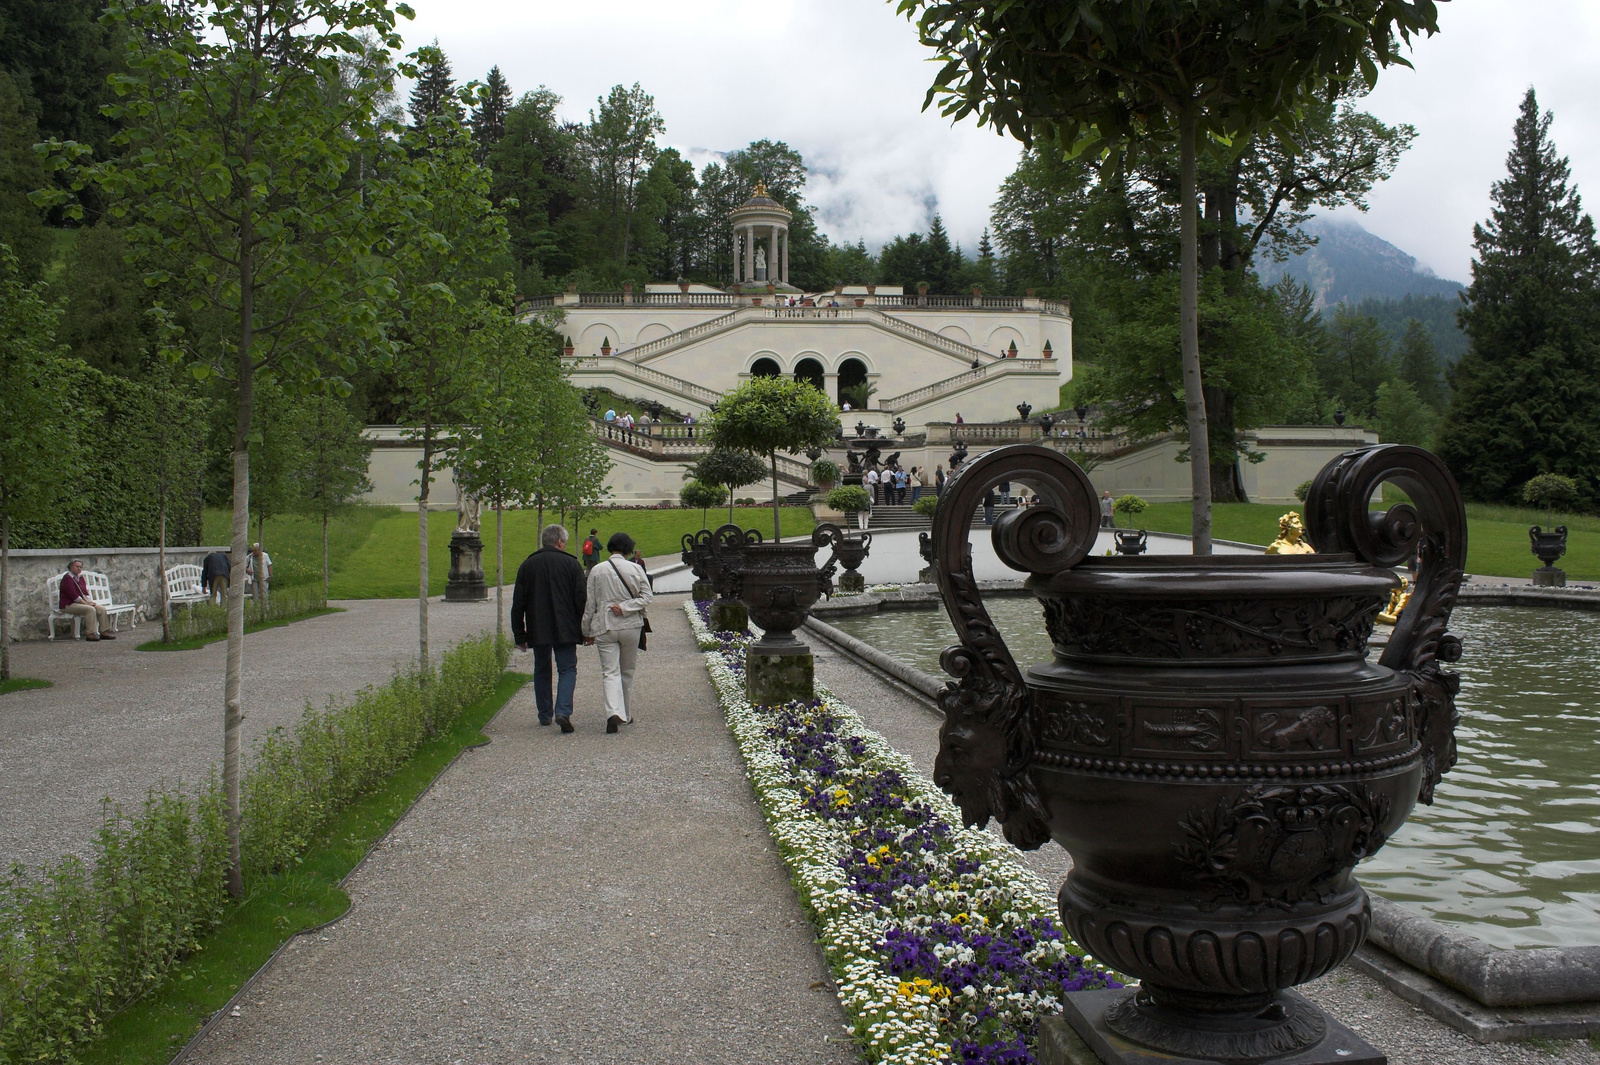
99 586
184 587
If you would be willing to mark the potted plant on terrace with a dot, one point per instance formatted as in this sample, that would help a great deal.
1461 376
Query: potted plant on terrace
851 500
825 472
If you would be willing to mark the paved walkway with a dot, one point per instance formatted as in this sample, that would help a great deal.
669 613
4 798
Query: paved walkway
583 898
1407 1034
117 721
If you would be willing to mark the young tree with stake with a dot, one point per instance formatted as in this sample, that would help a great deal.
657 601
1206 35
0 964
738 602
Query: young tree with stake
769 414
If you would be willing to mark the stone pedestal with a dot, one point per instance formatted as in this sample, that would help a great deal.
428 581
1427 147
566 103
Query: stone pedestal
1549 577
466 584
852 584
926 576
774 679
703 590
1080 1037
729 615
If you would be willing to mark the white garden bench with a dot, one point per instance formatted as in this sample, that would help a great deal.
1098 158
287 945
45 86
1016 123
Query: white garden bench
184 587
99 586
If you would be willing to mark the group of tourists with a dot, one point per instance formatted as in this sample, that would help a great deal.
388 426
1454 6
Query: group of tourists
888 485
559 602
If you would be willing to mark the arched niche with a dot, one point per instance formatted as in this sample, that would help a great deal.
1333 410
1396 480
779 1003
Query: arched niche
956 333
809 369
766 366
852 381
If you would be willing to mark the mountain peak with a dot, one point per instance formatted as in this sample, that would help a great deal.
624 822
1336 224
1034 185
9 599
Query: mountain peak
1349 264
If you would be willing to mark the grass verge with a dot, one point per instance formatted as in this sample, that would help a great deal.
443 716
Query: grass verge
278 907
21 684
253 626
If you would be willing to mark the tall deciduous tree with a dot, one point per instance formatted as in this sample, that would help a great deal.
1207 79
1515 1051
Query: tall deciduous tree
39 429
1201 72
442 253
1527 397
767 415
620 142
239 165
495 462
334 455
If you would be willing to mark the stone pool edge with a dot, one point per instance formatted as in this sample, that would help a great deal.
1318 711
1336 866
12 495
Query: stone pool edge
1490 993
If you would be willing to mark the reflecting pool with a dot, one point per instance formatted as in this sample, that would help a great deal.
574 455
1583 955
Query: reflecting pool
1510 850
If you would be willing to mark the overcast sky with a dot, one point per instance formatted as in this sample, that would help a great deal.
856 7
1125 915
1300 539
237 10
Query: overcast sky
843 82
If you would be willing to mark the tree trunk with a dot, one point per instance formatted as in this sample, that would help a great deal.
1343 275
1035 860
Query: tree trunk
776 533
1226 486
499 571
1194 400
161 578
730 504
5 597
422 556
324 558
233 711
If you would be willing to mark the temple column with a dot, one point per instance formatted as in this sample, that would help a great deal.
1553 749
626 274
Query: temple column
736 256
785 274
750 253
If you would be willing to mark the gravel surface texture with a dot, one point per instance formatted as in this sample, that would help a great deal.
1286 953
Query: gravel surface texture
119 720
584 898
1404 1032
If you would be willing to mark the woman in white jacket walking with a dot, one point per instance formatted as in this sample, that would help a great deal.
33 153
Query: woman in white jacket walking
619 592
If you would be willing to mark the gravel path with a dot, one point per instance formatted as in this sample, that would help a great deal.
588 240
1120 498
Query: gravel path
1404 1032
587 898
118 720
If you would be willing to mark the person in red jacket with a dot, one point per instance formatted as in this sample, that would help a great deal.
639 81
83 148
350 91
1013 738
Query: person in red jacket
75 600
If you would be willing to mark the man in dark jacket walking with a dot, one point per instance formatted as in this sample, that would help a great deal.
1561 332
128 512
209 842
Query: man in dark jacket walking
547 614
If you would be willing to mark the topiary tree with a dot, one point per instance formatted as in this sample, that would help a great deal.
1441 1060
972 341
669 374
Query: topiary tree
1550 490
1130 505
849 498
926 506
698 494
770 414
1302 490
728 468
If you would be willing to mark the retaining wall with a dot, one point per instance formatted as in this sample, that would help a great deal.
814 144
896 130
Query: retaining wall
134 573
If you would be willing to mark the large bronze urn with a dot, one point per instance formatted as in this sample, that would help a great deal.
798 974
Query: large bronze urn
699 554
778 583
849 551
1211 743
1547 548
728 545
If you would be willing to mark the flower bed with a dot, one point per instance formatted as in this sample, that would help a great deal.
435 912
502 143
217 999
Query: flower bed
945 949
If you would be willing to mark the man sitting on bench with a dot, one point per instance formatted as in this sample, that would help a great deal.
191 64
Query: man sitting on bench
75 600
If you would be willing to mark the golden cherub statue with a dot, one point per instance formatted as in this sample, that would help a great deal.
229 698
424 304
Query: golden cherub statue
1397 602
1289 541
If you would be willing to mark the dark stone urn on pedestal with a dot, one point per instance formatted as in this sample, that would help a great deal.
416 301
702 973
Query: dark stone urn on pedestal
779 582
728 545
849 551
699 554
1210 743
466 583
1547 547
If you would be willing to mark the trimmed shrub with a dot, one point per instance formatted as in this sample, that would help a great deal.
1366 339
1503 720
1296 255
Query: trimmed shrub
1302 490
1130 505
926 506
850 498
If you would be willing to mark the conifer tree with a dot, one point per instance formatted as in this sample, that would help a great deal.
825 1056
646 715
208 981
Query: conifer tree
435 92
489 117
1418 364
1527 397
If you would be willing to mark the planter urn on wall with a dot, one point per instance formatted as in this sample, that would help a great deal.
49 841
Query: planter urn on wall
1547 547
778 583
1211 743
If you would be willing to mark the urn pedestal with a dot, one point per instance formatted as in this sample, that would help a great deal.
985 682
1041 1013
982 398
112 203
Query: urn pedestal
852 584
1547 547
1210 743
703 591
466 583
778 583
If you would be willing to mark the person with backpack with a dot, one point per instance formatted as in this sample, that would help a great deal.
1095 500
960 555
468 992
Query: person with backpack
591 550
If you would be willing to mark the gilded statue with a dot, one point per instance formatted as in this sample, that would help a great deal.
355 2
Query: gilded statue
1397 602
1290 537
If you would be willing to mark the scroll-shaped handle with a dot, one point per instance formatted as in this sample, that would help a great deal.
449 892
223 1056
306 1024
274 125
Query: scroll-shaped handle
991 724
1434 526
823 535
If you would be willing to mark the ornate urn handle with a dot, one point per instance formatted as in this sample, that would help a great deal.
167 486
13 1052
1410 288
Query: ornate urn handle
824 535
991 725
1434 525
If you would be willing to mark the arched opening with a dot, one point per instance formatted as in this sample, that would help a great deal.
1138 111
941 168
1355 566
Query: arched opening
853 384
809 370
766 368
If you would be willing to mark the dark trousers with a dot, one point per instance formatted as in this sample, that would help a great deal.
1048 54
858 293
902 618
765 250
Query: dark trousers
566 656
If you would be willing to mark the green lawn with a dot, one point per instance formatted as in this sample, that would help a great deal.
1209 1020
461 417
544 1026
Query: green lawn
373 550
277 907
1497 537
19 684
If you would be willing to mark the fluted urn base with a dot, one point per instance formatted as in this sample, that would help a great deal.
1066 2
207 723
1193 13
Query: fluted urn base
1097 1021
1549 577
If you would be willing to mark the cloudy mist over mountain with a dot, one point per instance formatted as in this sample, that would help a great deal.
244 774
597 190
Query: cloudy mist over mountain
1349 264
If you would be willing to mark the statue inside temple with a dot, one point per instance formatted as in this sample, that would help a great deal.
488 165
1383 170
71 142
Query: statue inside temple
761 263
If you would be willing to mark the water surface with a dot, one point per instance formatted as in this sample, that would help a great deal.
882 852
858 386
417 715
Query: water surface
1510 850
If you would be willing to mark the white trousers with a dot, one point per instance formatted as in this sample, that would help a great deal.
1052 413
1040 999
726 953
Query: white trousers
619 652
